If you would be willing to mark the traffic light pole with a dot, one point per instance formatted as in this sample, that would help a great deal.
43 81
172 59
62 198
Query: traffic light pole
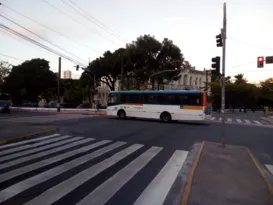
224 36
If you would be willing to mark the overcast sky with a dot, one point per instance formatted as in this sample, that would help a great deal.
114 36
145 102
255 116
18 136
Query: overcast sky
192 25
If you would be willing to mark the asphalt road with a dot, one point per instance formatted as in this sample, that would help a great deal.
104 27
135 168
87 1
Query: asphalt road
104 160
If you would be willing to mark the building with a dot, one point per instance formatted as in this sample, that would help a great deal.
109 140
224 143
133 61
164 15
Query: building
67 74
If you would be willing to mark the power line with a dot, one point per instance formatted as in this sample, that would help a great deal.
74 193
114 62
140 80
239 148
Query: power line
10 57
78 22
51 29
41 37
40 45
95 21
249 44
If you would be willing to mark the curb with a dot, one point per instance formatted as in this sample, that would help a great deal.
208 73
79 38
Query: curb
260 169
187 189
28 136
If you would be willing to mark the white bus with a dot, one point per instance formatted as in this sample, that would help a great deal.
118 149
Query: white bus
164 105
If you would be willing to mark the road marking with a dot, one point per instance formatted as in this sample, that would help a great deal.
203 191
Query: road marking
158 189
49 174
57 158
106 190
13 156
41 154
53 194
213 118
28 141
257 122
229 120
269 167
16 149
238 120
247 121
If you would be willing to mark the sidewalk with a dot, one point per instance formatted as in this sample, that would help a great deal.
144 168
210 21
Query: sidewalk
16 131
228 176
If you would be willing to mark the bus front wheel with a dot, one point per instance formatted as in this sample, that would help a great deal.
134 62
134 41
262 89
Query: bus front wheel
166 117
121 114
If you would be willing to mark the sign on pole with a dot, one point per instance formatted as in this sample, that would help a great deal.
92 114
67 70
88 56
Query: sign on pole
269 59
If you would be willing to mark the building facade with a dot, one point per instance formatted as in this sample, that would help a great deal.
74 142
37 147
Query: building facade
67 74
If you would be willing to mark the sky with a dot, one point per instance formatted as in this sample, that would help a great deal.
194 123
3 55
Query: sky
192 25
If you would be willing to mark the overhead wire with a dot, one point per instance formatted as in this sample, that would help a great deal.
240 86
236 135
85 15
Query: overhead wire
41 37
249 44
95 21
56 8
40 45
1 54
47 27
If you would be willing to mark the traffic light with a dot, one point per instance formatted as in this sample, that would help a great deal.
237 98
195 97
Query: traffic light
219 41
77 67
216 64
260 62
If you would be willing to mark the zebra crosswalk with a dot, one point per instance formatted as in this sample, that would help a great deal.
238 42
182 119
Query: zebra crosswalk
239 121
64 169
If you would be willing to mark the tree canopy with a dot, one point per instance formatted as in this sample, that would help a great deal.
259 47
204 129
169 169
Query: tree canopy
140 60
29 79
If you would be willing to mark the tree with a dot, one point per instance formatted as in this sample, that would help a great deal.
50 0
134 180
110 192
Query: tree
4 72
29 79
240 79
149 56
107 68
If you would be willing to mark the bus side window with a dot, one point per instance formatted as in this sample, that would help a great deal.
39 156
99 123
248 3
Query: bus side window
195 99
162 99
113 99
149 99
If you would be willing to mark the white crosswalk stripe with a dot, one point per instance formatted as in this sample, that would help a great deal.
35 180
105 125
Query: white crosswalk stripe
238 121
91 157
270 168
247 121
257 122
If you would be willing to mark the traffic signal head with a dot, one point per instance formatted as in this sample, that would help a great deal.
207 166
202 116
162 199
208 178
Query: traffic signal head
77 67
219 41
216 64
260 62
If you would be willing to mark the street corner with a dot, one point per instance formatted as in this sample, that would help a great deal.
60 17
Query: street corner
180 190
218 171
28 135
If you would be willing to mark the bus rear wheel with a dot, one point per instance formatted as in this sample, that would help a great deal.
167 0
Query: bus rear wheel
166 117
121 114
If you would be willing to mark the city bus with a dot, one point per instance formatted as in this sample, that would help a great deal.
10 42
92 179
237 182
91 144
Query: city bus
5 99
163 105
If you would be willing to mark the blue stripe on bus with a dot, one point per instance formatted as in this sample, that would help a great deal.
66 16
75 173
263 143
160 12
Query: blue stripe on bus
158 92
2 103
180 106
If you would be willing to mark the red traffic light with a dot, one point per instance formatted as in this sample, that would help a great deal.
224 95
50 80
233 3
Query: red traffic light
260 59
260 62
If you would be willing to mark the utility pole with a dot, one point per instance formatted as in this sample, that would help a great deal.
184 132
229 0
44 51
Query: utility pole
206 80
121 75
59 79
224 36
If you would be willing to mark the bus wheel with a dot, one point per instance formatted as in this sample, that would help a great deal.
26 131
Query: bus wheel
121 114
166 117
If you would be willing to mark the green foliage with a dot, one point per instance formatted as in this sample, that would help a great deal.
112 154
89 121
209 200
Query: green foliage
140 59
27 80
4 72
241 93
